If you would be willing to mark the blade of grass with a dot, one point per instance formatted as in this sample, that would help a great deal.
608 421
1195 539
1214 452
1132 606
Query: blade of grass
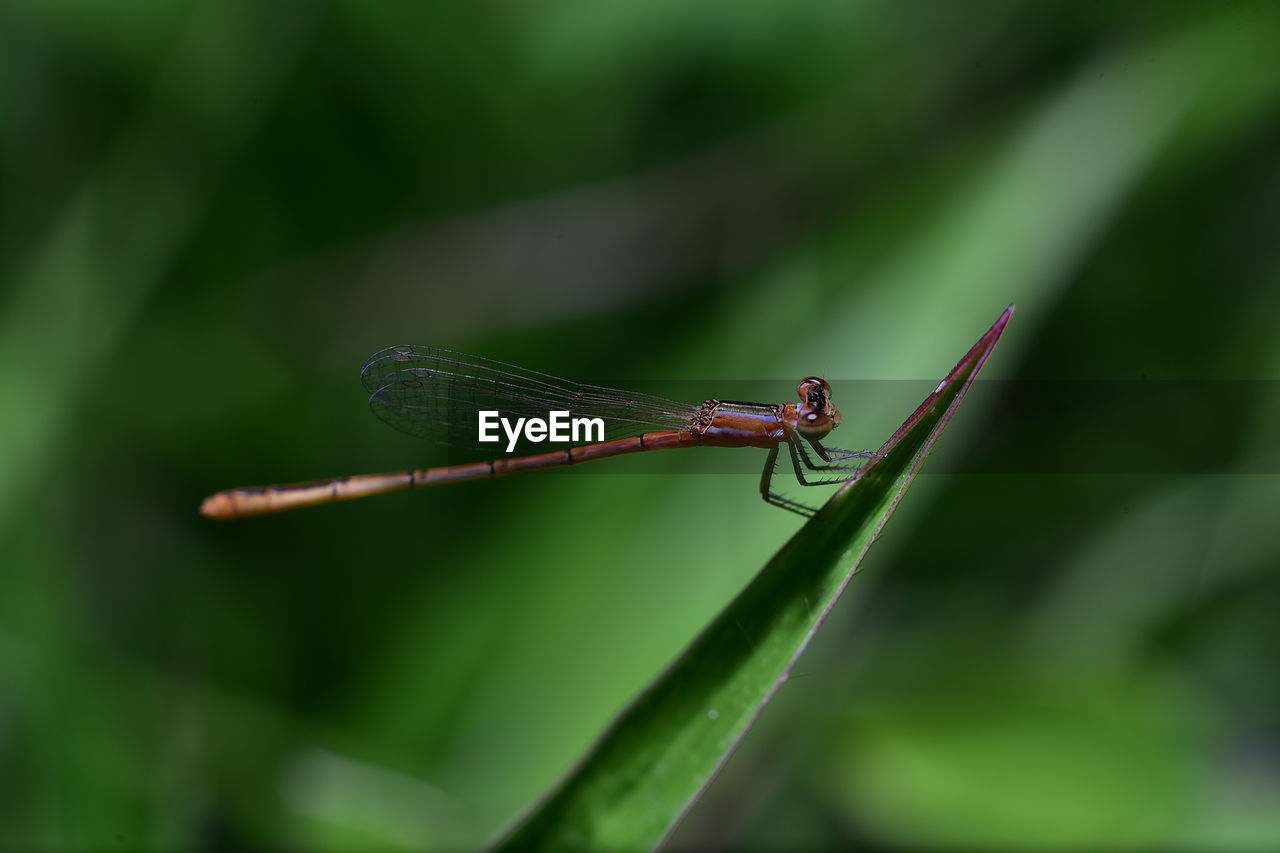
639 779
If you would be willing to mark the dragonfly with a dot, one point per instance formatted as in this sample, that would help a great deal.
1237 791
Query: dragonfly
442 395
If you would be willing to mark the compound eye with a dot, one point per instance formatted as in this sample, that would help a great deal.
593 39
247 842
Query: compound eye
810 384
815 393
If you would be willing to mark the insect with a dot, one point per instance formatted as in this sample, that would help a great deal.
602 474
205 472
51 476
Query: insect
444 395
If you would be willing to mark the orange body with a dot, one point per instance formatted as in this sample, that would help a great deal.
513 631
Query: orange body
716 423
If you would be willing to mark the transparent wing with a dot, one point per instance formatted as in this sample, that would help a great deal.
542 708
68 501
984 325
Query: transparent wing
437 394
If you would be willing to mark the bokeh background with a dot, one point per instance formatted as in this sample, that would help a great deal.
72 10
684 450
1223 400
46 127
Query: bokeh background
215 210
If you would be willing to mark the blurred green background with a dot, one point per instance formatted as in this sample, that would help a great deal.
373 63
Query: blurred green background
215 210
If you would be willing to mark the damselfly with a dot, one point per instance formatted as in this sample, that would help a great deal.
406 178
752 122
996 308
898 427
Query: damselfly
439 394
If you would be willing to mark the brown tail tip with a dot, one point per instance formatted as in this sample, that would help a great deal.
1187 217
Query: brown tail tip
220 506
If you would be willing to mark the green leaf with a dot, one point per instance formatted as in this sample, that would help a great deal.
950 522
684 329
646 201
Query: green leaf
639 779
